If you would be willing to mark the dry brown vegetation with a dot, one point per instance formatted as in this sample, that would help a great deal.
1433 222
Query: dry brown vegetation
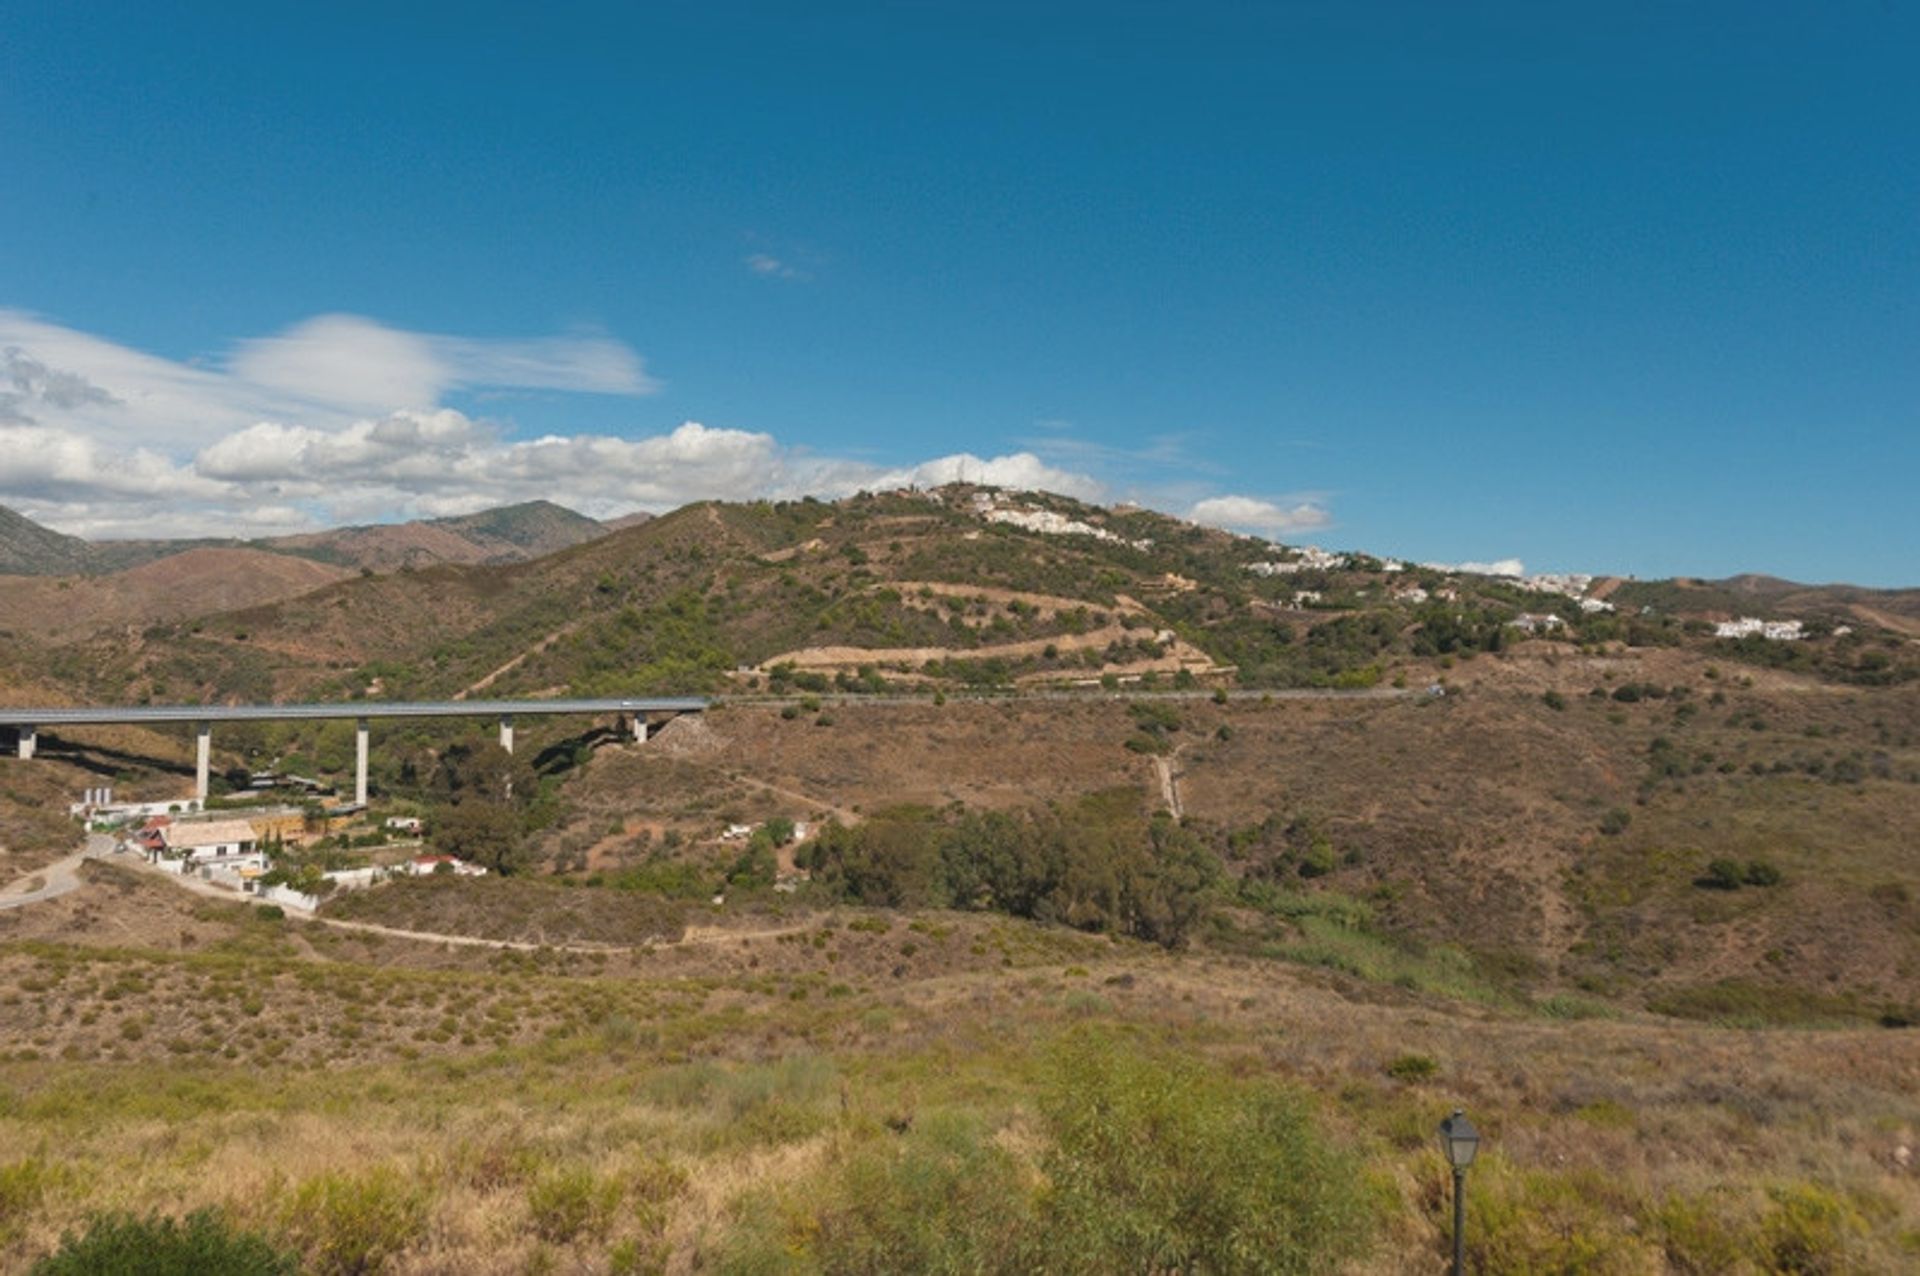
1648 911
685 1109
193 583
1472 820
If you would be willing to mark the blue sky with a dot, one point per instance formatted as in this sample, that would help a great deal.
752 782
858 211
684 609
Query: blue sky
1628 287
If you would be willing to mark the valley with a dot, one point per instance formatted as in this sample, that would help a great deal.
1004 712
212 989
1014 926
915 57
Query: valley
1003 801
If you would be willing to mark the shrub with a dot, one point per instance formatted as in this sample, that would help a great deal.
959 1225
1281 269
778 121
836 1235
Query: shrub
1318 859
1521 1221
1615 822
945 1198
1761 873
201 1244
1699 1236
1554 700
1809 1229
353 1223
1161 1164
569 1204
22 1185
1413 1067
1722 875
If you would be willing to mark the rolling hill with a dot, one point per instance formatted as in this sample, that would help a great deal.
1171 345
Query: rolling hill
1383 830
508 534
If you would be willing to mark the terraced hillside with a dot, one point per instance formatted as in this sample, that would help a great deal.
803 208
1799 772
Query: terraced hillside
906 590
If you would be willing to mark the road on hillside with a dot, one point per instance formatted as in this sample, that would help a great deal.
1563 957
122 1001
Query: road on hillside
694 935
970 697
57 878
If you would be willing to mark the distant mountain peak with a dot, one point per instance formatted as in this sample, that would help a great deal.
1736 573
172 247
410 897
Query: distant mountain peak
28 549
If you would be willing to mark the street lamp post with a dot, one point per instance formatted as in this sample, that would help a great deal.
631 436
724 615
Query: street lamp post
1460 1141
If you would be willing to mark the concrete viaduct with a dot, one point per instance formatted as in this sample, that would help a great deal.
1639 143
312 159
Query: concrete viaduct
27 722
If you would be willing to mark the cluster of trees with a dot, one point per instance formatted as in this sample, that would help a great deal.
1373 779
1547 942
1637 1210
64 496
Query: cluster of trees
1098 863
1281 845
1731 875
487 803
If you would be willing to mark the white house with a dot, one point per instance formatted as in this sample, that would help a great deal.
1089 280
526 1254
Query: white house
228 842
427 865
1771 630
1537 622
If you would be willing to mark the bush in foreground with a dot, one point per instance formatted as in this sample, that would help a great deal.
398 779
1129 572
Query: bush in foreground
1149 1161
1161 1163
201 1244
348 1223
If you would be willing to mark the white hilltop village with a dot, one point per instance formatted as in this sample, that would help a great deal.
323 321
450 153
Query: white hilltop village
1002 507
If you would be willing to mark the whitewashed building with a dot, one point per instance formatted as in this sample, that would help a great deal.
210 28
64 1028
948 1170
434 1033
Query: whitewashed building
229 843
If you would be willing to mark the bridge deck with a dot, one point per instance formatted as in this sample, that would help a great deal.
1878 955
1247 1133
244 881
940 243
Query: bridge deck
85 715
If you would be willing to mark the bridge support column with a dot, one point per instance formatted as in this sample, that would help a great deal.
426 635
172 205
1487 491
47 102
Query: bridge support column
360 762
506 732
28 739
639 728
203 758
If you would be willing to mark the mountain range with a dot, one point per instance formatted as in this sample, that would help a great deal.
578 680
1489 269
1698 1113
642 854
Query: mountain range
508 534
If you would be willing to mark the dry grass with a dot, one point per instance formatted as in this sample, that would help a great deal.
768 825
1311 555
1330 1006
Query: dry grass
607 1115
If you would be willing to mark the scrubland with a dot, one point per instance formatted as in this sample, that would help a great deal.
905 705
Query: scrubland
851 1090
1643 902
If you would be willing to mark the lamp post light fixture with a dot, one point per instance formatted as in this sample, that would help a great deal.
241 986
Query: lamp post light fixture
1460 1141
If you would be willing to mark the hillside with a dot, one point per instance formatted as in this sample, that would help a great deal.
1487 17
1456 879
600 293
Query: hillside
193 582
509 534
808 1092
28 549
1098 806
959 588
1472 818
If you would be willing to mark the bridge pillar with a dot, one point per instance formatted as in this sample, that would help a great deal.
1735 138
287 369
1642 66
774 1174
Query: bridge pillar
506 732
639 728
203 758
28 738
360 762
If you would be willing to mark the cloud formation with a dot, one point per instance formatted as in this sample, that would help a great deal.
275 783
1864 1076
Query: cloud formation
1262 518
341 419
1498 567
768 266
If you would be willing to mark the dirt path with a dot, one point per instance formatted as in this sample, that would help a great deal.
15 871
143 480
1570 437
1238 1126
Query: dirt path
1169 790
843 814
56 879
694 935
518 660
1043 602
835 657
691 937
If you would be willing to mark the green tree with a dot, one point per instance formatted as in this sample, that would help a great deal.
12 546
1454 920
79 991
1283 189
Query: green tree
484 832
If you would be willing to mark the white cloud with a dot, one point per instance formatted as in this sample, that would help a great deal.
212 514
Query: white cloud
49 462
768 266
1266 518
326 372
1021 470
1498 567
340 419
344 361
